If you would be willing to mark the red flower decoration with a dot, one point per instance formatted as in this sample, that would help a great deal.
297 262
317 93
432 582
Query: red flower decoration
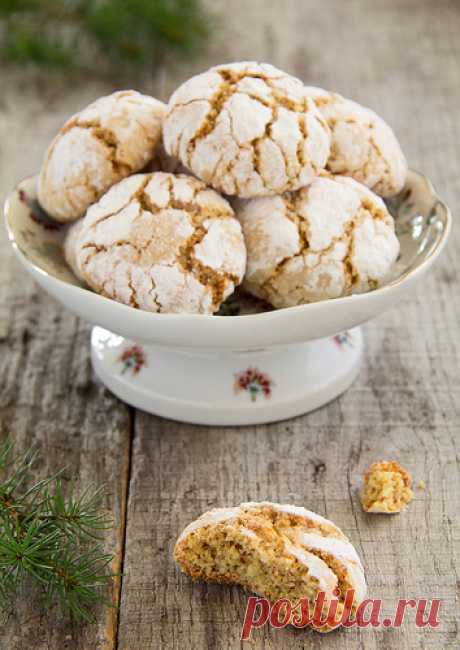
254 382
344 338
133 359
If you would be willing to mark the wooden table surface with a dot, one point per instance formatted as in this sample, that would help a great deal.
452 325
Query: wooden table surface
402 57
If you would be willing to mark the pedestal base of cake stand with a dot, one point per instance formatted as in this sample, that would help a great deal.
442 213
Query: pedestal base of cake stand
227 388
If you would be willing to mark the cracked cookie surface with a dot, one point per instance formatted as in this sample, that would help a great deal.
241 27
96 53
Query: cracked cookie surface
329 239
276 551
112 138
247 129
363 146
163 243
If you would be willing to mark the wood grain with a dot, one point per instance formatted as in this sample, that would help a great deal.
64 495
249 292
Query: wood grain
402 57
49 400
44 356
405 404
48 395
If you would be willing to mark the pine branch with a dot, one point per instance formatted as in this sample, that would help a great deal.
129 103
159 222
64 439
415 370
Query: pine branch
63 33
51 538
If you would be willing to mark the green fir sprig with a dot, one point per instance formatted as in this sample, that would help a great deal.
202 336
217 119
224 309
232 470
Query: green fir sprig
51 539
78 33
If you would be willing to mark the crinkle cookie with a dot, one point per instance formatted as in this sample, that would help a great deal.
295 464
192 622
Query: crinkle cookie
326 240
247 129
163 243
276 551
112 138
363 145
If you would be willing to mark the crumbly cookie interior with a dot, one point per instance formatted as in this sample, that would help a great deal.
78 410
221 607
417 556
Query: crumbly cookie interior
261 549
386 488
226 555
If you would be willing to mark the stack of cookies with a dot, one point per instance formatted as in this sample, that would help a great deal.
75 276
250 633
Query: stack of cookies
246 177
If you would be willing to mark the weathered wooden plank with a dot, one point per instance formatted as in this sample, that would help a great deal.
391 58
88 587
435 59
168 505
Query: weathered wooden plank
48 398
400 57
180 471
48 395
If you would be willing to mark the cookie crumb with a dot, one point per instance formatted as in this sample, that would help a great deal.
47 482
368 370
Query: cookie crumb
387 488
421 485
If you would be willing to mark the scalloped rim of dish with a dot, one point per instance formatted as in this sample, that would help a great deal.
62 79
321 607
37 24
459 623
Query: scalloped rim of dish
267 316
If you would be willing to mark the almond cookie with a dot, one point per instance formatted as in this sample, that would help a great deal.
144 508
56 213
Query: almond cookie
247 129
387 488
276 551
327 240
107 141
163 243
363 145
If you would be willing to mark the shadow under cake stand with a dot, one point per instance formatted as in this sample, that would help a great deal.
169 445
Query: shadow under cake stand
248 365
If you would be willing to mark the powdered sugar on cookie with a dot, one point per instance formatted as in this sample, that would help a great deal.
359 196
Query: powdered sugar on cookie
327 240
163 243
247 129
363 145
112 138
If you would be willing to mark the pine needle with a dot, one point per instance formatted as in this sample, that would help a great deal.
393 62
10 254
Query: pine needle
72 33
50 537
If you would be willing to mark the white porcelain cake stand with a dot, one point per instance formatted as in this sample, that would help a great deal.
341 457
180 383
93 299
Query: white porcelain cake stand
245 368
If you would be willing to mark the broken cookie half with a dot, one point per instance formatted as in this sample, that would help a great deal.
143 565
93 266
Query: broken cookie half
276 551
